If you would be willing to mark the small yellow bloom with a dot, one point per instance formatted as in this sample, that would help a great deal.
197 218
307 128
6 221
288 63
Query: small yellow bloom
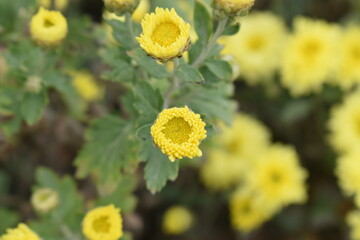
178 133
309 57
177 220
165 34
257 47
44 199
233 7
349 71
234 150
353 220
103 223
58 4
344 124
348 173
141 10
22 232
277 178
48 28
121 6
33 84
86 86
246 214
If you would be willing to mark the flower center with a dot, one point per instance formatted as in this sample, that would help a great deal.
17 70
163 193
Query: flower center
355 53
101 225
234 146
256 43
165 34
311 48
276 177
48 23
177 130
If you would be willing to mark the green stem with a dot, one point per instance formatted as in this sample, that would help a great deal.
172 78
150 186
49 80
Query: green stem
173 85
129 25
207 49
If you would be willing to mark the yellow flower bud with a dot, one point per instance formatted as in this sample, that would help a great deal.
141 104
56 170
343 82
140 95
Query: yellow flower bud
33 84
58 4
232 7
177 220
44 200
121 6
48 28
21 232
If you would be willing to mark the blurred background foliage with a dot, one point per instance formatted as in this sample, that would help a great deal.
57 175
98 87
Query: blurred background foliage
54 141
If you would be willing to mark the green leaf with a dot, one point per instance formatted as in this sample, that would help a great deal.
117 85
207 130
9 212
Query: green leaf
195 51
122 34
231 29
158 169
149 64
190 74
202 22
122 195
214 102
32 106
148 102
222 69
107 148
70 201
12 218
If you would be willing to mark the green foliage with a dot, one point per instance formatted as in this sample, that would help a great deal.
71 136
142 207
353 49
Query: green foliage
202 22
187 73
107 148
12 218
32 106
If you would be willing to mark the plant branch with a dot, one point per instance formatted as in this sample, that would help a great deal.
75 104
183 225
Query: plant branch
174 85
211 43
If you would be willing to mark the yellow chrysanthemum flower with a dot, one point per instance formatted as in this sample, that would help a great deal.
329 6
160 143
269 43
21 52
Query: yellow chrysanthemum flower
86 86
349 71
277 179
257 46
234 149
44 199
344 124
121 6
58 4
348 173
309 57
353 220
165 34
246 214
177 220
233 7
22 232
48 28
178 133
103 223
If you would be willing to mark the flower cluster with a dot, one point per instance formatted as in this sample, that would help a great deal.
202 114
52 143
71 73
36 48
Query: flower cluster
268 176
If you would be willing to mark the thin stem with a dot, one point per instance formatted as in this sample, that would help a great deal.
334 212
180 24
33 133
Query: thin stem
174 85
129 25
206 50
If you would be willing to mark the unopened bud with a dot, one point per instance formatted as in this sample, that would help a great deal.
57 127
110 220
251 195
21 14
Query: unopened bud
33 84
121 6
44 200
232 8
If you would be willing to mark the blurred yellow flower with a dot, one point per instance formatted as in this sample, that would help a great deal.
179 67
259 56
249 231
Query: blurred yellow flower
349 71
141 10
44 199
48 28
353 220
165 34
310 56
233 7
86 86
58 4
177 220
234 149
103 223
22 232
344 124
348 173
257 46
121 6
246 214
277 179
178 133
